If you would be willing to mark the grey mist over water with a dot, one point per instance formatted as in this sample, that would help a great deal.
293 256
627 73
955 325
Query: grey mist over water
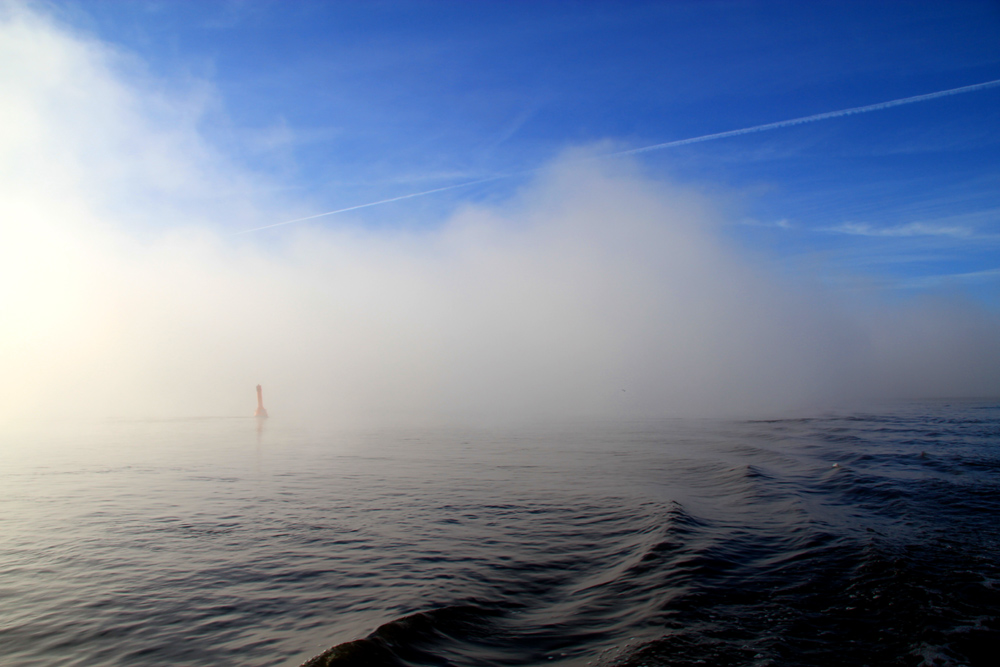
854 536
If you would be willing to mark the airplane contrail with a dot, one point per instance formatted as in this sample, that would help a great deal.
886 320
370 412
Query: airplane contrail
381 201
670 144
812 119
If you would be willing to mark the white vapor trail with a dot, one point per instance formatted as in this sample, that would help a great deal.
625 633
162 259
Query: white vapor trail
812 119
376 203
671 144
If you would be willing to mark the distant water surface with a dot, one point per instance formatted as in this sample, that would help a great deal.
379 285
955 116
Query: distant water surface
850 539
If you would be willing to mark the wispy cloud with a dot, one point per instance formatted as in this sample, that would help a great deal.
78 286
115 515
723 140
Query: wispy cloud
907 230
782 223
512 128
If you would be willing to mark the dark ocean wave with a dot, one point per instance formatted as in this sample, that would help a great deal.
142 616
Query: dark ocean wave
434 637
887 556
824 601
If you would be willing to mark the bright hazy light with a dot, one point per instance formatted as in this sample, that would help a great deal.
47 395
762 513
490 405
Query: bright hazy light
594 292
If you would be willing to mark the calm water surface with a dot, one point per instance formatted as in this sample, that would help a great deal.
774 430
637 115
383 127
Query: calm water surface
868 538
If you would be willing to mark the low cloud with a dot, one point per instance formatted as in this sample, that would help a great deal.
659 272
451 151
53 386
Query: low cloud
593 291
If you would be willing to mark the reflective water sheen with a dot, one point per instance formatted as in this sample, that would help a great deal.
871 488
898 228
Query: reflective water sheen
846 539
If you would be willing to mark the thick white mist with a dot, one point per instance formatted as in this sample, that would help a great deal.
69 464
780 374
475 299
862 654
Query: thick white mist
595 291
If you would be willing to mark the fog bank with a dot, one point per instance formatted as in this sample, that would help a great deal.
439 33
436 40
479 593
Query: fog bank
594 291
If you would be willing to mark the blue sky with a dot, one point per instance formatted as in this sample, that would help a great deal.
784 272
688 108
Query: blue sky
342 103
